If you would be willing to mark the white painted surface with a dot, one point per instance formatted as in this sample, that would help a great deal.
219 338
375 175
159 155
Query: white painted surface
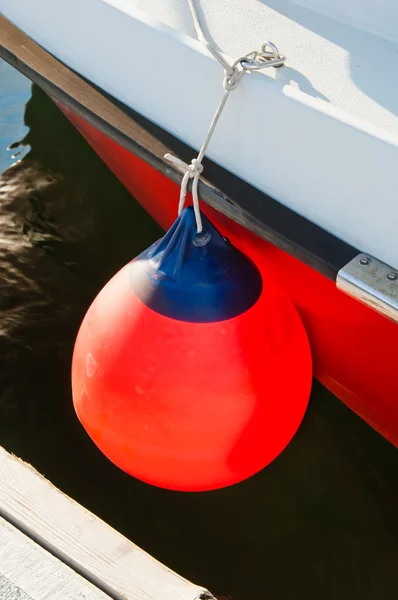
328 57
27 572
82 540
320 135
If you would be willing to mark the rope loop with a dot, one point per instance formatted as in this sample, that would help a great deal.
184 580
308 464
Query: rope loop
231 80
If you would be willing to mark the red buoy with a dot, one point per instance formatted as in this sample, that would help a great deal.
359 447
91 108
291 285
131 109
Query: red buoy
190 371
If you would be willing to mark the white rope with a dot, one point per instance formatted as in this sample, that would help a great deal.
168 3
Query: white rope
195 168
233 73
202 38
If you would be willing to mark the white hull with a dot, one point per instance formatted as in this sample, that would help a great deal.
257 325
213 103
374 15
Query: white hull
328 150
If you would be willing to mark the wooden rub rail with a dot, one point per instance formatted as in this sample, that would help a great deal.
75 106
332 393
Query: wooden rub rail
107 563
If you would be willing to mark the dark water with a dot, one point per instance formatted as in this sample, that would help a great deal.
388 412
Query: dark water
319 523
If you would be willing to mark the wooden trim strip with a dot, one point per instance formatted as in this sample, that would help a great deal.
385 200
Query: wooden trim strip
82 541
250 207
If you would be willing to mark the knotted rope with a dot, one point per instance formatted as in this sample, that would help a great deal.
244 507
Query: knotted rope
268 56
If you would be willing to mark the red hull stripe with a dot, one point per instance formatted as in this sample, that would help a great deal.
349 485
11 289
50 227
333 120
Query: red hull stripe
354 348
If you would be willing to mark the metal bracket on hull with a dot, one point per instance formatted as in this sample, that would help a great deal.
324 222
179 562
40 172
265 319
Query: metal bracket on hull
372 282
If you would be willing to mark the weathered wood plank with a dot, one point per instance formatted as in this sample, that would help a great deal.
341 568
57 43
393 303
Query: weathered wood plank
28 572
82 540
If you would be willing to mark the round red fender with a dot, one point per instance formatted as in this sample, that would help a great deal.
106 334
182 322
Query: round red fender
190 371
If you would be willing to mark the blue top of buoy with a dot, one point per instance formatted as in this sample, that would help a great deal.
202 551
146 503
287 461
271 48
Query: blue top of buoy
195 277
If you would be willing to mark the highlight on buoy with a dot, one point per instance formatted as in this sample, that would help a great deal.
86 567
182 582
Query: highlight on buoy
191 370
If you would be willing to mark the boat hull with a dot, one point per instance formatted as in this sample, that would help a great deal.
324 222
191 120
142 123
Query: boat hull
354 348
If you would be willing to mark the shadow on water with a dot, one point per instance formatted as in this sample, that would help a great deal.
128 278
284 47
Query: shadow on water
319 522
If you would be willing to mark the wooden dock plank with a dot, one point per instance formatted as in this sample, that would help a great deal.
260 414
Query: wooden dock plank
28 572
81 540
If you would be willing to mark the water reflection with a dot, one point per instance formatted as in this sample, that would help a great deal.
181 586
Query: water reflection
15 91
66 226
320 522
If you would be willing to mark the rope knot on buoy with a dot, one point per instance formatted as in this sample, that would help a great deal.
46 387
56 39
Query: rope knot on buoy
193 171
